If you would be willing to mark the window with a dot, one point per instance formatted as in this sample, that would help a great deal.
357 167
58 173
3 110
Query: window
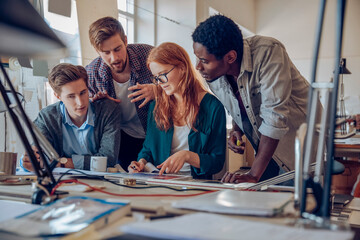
67 29
126 18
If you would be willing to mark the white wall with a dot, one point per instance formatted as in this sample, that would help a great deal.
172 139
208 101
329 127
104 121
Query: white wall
145 22
158 21
88 12
180 31
241 11
33 89
293 23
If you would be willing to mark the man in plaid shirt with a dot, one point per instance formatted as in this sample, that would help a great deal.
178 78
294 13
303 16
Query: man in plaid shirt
120 73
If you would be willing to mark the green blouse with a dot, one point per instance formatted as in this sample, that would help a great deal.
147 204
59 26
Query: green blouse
209 141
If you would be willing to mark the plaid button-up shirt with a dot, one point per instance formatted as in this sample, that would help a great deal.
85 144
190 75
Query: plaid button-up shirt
100 77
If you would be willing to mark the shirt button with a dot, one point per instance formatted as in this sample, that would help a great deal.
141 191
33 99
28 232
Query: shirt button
247 106
241 86
238 115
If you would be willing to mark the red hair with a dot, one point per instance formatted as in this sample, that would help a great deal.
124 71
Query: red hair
189 86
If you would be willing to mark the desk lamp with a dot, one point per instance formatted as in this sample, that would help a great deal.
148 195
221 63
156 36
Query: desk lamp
343 70
23 33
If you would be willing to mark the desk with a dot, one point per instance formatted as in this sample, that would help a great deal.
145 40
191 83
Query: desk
349 147
145 206
347 150
155 205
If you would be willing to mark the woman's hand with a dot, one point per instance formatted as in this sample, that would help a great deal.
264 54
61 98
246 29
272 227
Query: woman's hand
136 167
174 163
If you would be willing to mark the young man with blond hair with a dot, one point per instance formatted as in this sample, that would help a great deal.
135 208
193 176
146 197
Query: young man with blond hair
120 74
76 127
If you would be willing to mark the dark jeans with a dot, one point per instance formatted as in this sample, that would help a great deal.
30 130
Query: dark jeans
129 149
274 170
271 171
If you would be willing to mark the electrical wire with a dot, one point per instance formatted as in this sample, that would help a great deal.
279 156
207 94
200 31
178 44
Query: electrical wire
44 189
124 195
123 185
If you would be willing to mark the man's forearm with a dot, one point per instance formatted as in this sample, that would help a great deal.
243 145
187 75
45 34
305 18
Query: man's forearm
266 149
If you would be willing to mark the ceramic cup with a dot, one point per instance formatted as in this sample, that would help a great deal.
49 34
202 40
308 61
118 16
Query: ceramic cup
98 163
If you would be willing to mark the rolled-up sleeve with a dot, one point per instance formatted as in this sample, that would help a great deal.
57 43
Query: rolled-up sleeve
275 89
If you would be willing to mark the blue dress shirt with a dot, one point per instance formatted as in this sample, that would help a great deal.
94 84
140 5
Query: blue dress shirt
77 141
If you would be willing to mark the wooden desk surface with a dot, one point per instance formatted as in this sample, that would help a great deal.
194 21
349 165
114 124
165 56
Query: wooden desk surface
344 149
157 205
145 206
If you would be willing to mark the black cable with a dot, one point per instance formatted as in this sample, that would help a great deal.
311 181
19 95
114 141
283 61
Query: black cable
123 185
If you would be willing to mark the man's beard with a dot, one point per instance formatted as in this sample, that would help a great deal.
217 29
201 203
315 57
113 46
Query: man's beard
122 67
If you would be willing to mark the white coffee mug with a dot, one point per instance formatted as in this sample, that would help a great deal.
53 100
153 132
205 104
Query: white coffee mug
98 163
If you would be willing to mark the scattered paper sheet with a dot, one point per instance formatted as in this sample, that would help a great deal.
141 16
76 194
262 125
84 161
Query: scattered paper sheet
354 204
213 226
351 141
11 209
237 202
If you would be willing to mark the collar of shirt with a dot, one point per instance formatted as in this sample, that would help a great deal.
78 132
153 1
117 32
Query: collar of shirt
90 118
246 63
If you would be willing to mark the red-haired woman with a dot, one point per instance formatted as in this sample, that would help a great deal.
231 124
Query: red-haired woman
186 130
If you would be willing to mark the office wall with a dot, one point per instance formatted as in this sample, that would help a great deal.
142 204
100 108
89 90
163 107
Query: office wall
166 21
145 23
180 31
157 21
88 12
293 23
241 11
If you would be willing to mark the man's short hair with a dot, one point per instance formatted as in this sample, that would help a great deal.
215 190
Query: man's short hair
104 28
219 34
64 73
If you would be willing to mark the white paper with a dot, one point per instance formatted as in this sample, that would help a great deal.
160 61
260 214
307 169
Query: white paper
354 204
149 167
351 141
237 202
11 209
213 226
65 216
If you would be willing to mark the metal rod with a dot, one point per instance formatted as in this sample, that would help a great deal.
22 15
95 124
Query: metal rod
47 171
312 81
317 48
325 207
322 139
18 126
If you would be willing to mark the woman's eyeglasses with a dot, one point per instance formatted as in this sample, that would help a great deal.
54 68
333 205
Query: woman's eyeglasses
161 78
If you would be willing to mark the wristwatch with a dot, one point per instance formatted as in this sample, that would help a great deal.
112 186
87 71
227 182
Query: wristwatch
63 161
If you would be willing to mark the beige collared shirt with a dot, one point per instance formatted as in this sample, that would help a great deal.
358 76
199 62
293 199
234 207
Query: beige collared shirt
274 95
